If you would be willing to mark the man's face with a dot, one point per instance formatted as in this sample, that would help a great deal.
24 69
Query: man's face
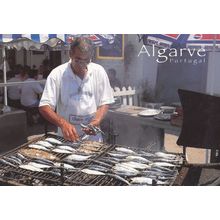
79 61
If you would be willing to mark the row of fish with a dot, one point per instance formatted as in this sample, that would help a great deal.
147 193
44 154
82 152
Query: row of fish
36 164
54 145
136 168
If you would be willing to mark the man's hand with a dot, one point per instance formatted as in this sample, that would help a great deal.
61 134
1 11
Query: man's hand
69 131
101 111
90 131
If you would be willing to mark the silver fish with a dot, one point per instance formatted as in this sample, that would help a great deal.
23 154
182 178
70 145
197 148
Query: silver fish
43 161
20 156
13 159
92 172
165 155
37 146
156 173
118 178
66 147
30 167
104 164
76 157
7 162
147 154
111 160
163 170
122 170
163 164
62 151
135 165
142 180
65 166
147 181
98 168
53 140
174 161
165 178
117 155
125 150
16 158
38 165
45 144
137 159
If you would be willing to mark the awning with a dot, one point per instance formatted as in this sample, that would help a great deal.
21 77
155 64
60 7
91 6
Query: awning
27 41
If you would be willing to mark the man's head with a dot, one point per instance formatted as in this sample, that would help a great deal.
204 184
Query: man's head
81 53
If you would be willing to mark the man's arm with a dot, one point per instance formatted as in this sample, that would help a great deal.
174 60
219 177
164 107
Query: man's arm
99 116
68 130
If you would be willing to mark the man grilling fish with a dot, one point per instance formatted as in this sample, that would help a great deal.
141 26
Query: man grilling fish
77 92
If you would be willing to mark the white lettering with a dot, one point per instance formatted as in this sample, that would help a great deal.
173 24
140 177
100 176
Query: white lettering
201 50
181 51
173 51
161 52
144 50
193 51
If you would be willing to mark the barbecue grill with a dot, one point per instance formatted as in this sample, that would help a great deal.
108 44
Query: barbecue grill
11 174
200 128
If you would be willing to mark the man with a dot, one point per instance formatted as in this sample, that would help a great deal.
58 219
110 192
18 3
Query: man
14 92
80 92
31 90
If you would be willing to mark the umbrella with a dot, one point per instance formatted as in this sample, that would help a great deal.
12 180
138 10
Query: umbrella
28 41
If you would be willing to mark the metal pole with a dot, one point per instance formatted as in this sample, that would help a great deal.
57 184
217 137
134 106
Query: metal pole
211 88
4 75
6 108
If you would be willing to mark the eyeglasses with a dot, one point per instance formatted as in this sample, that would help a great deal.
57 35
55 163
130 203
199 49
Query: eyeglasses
81 62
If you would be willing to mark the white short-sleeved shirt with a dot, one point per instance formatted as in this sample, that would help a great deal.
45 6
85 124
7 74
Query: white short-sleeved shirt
30 92
61 93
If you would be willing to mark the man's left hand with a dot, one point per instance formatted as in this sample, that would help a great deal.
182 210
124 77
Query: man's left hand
90 131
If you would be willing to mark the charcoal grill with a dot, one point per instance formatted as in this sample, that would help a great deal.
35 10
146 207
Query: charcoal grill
13 175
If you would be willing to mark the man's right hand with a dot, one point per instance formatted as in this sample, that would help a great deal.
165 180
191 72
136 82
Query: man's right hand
69 131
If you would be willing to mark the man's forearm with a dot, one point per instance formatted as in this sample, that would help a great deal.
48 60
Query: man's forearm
100 114
48 113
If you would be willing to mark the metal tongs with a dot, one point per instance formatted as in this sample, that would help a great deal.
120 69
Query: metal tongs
93 128
85 136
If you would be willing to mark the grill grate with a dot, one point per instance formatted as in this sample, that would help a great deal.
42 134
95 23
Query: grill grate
18 176
14 175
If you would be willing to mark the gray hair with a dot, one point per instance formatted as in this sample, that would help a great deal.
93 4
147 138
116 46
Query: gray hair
84 44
